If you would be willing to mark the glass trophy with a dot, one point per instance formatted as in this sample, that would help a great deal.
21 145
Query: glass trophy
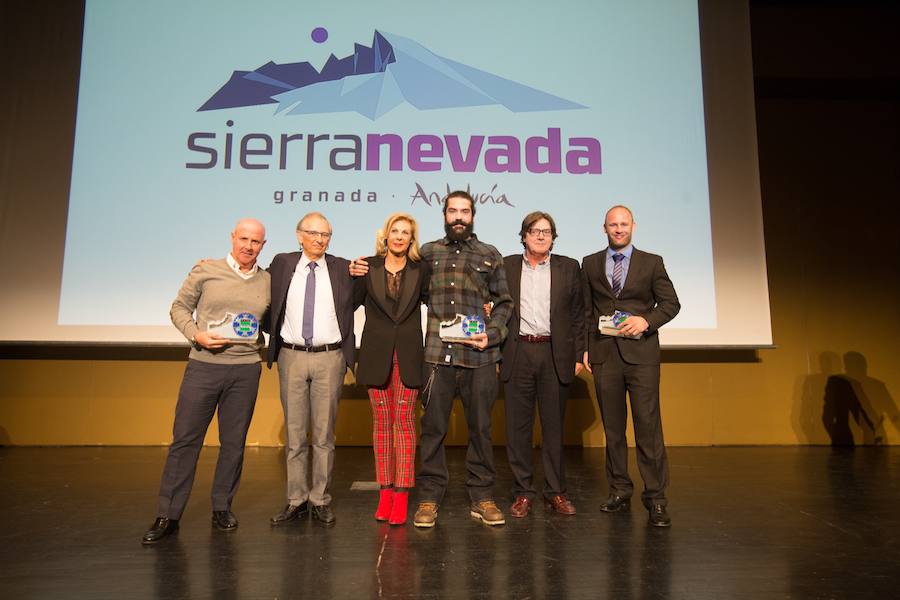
240 328
461 328
610 324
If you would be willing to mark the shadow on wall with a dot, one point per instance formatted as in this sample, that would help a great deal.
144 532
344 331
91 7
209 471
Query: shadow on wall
845 409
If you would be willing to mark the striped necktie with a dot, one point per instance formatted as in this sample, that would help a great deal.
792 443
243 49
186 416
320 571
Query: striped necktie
617 274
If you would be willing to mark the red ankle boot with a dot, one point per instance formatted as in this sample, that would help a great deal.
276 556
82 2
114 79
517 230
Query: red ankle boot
398 511
385 502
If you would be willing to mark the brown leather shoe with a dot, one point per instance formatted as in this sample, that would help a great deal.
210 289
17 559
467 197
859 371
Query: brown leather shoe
521 507
560 504
426 515
487 512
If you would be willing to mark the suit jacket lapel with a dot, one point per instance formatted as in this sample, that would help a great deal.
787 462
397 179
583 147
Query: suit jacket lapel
376 276
279 303
290 265
556 286
337 290
408 286
636 263
514 280
603 277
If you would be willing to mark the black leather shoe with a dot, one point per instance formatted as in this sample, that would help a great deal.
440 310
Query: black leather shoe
224 520
161 528
323 514
290 513
659 517
616 503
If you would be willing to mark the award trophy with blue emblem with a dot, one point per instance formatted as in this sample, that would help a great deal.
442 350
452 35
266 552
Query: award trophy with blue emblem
240 328
610 324
461 328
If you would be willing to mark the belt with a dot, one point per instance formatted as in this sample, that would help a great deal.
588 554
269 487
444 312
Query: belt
534 339
323 348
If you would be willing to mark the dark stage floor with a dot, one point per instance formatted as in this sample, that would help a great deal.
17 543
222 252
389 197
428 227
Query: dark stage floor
748 523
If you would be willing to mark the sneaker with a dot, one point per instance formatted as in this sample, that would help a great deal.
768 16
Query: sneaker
487 511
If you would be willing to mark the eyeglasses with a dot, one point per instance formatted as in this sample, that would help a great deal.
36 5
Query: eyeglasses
324 235
536 232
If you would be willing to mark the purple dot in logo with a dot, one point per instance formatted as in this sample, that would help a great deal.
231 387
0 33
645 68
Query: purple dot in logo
319 35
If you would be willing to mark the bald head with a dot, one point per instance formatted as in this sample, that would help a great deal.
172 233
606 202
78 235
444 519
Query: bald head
619 225
251 224
247 240
620 207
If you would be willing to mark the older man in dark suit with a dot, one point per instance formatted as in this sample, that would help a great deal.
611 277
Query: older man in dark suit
624 279
541 357
313 342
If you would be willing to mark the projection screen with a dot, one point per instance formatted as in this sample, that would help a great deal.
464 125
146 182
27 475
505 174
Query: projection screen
193 115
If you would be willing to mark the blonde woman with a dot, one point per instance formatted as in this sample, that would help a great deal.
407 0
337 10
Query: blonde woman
391 357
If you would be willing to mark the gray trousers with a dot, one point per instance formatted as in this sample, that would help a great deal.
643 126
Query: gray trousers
205 387
310 388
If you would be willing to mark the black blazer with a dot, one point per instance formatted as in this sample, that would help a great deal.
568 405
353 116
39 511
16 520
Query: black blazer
566 315
385 332
647 292
282 270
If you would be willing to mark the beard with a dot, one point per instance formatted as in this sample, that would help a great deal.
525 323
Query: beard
461 236
618 245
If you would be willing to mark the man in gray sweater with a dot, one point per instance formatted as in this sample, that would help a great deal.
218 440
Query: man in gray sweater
220 308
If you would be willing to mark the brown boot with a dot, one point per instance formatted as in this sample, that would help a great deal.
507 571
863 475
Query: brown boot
487 511
427 514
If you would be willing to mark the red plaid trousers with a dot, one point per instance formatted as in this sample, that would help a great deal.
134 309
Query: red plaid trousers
394 431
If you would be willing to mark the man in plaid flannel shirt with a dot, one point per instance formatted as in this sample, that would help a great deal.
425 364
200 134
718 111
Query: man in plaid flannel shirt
466 275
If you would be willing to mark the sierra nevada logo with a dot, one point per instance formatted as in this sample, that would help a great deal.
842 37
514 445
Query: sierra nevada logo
371 82
374 80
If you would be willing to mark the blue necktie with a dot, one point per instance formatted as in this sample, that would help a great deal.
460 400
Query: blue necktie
617 274
309 304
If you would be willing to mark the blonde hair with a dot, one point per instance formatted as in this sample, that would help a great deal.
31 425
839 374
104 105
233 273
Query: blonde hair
382 234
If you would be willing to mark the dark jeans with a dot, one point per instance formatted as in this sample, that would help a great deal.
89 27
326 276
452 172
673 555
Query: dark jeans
477 388
230 387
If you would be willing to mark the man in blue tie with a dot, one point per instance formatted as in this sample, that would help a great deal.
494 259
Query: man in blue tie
313 342
626 280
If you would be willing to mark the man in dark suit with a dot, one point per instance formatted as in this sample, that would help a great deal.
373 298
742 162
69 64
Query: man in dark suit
313 342
622 278
541 357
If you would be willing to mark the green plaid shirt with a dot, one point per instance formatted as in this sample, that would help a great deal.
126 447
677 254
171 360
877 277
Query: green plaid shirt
464 277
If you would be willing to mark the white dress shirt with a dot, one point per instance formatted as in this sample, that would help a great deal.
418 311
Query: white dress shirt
237 267
325 324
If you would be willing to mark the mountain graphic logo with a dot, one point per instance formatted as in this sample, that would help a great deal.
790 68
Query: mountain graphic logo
374 80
